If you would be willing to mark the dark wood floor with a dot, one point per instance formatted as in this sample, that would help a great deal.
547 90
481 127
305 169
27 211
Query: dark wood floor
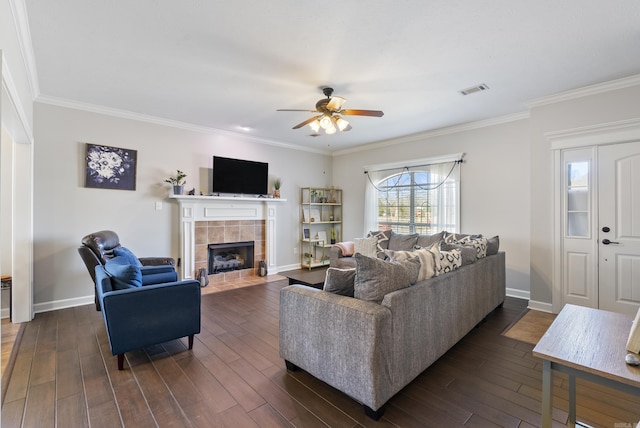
65 376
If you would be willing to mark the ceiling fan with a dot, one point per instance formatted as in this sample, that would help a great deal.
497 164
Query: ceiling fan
330 110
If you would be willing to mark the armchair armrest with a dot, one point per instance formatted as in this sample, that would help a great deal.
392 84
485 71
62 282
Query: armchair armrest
157 261
157 274
139 317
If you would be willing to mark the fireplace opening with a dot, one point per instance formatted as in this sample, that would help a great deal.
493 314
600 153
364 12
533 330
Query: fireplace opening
230 256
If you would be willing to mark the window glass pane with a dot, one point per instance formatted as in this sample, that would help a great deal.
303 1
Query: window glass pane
578 224
578 174
418 202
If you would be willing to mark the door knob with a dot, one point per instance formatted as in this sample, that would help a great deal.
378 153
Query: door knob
607 242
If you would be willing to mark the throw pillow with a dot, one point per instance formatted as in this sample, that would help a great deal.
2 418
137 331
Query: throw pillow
128 255
340 281
123 274
383 240
493 245
449 261
366 246
426 259
468 253
426 240
479 243
402 242
375 278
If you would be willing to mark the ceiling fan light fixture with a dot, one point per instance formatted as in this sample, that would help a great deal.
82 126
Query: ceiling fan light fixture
315 125
330 130
325 122
341 124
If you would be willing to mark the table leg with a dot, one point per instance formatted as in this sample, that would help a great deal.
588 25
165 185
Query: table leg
547 384
572 400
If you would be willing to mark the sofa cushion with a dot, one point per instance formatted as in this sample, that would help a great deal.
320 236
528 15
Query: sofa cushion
375 278
366 246
383 240
128 255
426 256
449 261
493 245
340 281
123 274
427 240
402 242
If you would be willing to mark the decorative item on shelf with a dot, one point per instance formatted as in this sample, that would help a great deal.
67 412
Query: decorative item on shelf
315 195
332 195
276 187
178 182
192 192
262 268
333 235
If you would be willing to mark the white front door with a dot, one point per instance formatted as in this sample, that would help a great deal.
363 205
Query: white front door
619 227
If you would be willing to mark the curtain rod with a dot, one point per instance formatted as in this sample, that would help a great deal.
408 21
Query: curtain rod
457 161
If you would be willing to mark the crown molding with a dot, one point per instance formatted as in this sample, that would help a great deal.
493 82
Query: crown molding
455 129
585 91
23 33
108 111
604 133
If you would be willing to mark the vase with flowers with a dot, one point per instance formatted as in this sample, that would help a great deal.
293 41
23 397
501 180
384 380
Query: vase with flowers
177 182
277 182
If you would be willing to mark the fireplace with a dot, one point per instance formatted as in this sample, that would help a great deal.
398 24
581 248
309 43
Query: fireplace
219 219
230 256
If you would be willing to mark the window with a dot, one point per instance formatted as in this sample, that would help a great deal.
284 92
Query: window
420 199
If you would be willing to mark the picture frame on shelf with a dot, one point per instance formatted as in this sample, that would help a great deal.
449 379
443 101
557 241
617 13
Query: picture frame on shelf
322 237
305 233
314 215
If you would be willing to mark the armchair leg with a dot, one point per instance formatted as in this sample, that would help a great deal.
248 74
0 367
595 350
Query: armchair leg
191 341
120 361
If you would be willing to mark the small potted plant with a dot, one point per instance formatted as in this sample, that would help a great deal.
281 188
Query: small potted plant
276 187
177 182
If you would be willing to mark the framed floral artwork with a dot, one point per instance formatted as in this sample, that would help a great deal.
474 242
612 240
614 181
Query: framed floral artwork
110 167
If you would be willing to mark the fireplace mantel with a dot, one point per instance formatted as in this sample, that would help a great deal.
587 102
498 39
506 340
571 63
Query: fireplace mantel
195 208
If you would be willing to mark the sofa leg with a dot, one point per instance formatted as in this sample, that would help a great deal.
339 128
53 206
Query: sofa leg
290 366
120 361
95 299
191 341
373 414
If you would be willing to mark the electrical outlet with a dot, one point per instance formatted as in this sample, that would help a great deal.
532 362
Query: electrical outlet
295 250
158 205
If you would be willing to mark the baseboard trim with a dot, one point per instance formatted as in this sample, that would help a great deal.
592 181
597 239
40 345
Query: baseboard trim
4 313
62 304
541 306
517 293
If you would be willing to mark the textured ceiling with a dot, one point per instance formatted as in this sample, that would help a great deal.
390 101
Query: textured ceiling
226 65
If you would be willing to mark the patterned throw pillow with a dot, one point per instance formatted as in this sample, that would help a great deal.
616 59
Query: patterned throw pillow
383 240
449 261
366 246
426 256
478 242
340 281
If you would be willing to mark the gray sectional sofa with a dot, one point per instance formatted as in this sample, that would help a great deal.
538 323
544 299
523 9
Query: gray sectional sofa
371 349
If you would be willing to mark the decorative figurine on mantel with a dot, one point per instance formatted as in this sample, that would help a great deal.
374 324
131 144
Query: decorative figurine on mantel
178 182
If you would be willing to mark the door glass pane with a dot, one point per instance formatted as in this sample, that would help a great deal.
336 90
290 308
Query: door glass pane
578 195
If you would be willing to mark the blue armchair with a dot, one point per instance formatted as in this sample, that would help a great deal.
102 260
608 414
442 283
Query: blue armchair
140 316
99 247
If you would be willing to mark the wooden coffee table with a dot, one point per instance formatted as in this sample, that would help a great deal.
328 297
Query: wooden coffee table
588 343
312 278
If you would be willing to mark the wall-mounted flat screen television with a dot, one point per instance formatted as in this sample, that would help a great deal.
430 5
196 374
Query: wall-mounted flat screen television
240 176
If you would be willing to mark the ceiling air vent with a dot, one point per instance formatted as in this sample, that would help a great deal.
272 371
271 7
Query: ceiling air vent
473 89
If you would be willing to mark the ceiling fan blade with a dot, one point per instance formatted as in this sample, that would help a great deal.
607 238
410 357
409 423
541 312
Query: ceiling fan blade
335 103
306 122
353 112
308 111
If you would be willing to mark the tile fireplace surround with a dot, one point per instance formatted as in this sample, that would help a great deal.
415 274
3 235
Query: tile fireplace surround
217 219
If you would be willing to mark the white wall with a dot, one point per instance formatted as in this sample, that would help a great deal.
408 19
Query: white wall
65 210
494 186
556 115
